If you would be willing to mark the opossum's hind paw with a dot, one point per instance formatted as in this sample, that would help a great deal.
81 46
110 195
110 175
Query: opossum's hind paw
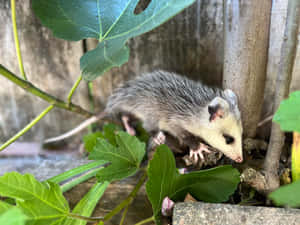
160 138
195 154
130 130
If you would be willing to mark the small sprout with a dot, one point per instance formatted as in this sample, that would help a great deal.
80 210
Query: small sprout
167 207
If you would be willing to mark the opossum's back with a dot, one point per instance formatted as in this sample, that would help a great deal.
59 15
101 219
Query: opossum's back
162 91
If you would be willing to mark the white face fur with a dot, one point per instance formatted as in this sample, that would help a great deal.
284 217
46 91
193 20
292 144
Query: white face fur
223 131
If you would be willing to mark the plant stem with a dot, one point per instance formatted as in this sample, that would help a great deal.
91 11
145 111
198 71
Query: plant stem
150 219
17 43
25 129
27 86
124 215
73 89
128 200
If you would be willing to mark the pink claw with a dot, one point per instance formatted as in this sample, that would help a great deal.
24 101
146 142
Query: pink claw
160 138
194 153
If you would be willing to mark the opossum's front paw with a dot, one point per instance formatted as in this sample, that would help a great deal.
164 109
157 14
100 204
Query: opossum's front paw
160 138
129 129
195 154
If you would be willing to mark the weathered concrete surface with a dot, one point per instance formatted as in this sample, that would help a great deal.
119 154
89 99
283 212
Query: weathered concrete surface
40 167
224 214
116 192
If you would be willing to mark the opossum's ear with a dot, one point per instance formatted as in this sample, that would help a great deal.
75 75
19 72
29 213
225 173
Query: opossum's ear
217 108
231 96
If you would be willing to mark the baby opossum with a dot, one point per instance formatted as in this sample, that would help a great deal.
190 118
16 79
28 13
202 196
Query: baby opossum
168 103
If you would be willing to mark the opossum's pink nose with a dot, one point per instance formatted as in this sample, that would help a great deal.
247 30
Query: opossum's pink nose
239 159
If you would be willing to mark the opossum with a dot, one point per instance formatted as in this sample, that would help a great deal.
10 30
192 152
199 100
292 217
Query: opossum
169 103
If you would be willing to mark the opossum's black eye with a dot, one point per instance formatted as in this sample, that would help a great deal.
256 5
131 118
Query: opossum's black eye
229 140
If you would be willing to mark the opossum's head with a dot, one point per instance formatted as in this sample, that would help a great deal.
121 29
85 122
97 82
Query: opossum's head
219 124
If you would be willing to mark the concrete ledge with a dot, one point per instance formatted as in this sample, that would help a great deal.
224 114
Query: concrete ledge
224 214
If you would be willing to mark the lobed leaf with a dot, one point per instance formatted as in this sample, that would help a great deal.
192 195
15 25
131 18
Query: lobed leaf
108 133
124 158
288 113
287 195
12 216
90 140
4 207
42 203
112 22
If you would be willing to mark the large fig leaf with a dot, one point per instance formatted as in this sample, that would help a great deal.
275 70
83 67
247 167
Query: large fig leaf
124 158
13 216
112 22
42 203
4 206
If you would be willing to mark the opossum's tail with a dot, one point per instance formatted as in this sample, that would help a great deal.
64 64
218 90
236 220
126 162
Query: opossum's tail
77 129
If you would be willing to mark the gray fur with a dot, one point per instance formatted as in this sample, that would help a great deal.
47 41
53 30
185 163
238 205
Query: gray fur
163 94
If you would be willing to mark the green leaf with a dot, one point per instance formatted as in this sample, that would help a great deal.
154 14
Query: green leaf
12 216
87 204
75 171
124 158
108 133
213 185
287 195
83 169
162 175
112 22
43 203
288 113
90 140
4 207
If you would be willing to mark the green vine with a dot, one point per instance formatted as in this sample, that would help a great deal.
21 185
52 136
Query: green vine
148 220
127 201
17 43
73 89
25 129
29 87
